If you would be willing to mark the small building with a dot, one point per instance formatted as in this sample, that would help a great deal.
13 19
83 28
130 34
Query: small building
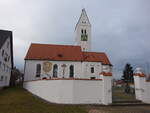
71 74
6 57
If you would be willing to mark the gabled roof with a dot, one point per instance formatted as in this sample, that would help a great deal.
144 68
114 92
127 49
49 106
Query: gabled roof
54 52
96 57
64 53
4 35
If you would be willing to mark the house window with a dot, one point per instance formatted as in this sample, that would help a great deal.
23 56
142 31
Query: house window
3 67
55 70
71 71
0 64
92 69
38 70
7 44
1 78
2 52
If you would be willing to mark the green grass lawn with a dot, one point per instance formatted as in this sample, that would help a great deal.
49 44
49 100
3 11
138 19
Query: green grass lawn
18 100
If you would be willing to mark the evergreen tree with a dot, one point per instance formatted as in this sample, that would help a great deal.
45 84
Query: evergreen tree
15 75
127 77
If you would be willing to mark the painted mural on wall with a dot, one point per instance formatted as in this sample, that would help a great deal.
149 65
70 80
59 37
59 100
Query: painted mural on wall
64 66
47 66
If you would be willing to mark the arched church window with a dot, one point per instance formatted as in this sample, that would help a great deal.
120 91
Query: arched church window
55 70
38 70
71 71
92 69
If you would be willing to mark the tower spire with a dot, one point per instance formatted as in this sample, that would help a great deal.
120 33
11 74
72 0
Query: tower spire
83 32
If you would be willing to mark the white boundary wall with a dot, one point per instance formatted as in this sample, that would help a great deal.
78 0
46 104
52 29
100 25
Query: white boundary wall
72 91
142 89
147 99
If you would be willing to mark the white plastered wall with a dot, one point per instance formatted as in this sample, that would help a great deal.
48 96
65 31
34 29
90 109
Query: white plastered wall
142 89
5 72
68 91
81 69
86 69
147 98
30 69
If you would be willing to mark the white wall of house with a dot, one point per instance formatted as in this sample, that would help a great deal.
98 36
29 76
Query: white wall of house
81 69
5 66
70 91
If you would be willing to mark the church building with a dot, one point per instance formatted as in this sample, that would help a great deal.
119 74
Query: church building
63 67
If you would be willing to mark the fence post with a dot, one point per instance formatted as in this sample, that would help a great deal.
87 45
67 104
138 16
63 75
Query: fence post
107 87
140 84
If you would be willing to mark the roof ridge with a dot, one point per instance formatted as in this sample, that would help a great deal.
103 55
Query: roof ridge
55 44
5 30
93 52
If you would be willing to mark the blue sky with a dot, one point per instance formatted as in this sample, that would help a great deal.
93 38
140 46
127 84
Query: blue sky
121 28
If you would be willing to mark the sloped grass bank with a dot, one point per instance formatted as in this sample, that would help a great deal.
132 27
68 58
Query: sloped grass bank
18 100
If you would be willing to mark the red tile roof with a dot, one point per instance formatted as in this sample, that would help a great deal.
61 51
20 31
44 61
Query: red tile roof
106 73
96 57
54 52
139 74
64 53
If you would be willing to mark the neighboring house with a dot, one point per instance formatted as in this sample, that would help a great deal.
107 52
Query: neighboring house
6 57
75 63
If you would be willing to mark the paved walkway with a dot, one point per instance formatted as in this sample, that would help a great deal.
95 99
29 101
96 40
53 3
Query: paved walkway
122 109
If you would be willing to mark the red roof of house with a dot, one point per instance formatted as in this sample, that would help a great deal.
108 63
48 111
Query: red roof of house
64 53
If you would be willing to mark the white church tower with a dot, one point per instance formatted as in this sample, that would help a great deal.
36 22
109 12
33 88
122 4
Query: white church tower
83 32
